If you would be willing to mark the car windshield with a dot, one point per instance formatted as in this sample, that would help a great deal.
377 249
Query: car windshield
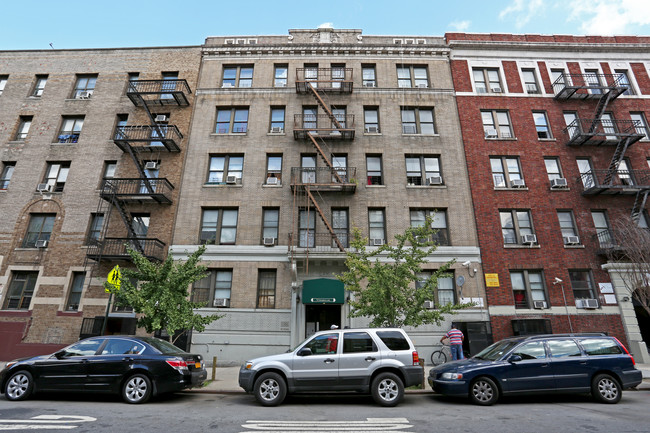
165 347
496 351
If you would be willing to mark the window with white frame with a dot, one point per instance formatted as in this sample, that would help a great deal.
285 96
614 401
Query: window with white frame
341 226
369 75
273 169
270 225
377 226
531 84
517 227
277 120
496 124
528 289
307 228
237 76
371 120
280 74
418 120
586 172
225 169
640 124
506 172
232 120
219 226
423 170
541 125
582 284
3 82
487 80
553 169
624 81
84 86
70 129
567 226
56 174
412 76
603 228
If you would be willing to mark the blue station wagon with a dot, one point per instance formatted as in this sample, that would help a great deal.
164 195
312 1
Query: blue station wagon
576 363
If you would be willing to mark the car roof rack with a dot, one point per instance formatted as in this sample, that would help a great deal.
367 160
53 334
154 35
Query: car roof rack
576 334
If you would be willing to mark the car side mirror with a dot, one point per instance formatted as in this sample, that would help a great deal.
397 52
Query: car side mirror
514 358
305 351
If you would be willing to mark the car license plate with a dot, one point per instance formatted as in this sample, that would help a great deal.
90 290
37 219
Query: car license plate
197 365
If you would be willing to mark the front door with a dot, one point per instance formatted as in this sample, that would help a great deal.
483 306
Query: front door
320 369
533 372
69 370
321 318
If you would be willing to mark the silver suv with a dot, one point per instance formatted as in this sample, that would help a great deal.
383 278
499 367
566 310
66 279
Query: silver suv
380 361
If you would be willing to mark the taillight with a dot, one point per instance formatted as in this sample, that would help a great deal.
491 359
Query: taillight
177 364
416 358
625 348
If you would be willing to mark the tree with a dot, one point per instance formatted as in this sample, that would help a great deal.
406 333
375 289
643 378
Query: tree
160 295
383 281
633 248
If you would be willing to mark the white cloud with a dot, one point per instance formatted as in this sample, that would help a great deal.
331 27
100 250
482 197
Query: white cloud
609 17
523 11
460 26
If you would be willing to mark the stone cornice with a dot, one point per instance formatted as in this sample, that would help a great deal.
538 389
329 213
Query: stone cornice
324 50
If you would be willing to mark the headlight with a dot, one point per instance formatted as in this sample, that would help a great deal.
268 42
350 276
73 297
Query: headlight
452 376
248 365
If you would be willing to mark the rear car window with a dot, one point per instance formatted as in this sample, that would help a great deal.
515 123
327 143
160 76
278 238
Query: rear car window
563 348
356 342
162 346
601 346
394 340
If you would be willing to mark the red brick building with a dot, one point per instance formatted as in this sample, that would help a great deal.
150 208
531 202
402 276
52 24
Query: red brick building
556 141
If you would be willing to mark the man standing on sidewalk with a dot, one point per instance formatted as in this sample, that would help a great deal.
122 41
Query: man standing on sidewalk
455 337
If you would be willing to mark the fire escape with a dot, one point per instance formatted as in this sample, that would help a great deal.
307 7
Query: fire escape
313 186
603 130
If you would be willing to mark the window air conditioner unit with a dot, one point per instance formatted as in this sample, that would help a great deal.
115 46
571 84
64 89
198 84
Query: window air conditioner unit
151 165
161 118
517 183
84 95
41 244
435 180
491 133
277 130
369 84
560 182
372 129
224 85
587 303
428 305
272 181
221 302
44 187
269 241
377 242
497 90
529 239
571 240
423 86
231 179
539 305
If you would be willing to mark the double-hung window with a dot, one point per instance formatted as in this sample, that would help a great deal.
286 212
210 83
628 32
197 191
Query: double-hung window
541 125
496 124
640 124
624 81
528 289
56 175
371 120
84 86
277 120
266 281
438 223
7 171
553 169
582 284
280 73
95 228
23 128
377 226
219 226
307 228
70 129
568 227
270 225
237 76
418 121
487 80
517 227
374 170
604 231
341 226
445 292
21 290
412 76
215 289
3 82
369 75
76 287
530 81
506 172
232 120
423 170
39 229
39 86
273 169
226 169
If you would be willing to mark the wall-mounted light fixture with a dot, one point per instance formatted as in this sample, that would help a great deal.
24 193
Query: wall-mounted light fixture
467 264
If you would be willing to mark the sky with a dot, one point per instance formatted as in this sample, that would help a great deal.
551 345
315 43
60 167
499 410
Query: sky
35 24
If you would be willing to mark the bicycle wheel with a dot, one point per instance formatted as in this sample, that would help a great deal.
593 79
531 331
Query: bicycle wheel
438 357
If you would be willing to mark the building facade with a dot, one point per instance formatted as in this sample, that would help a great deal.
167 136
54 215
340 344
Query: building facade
556 140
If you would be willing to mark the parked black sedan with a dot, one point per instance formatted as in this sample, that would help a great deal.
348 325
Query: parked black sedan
135 367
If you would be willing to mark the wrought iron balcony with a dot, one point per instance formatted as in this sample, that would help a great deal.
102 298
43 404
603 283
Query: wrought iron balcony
623 182
159 92
148 138
324 179
588 86
598 132
309 241
137 190
322 126
115 248
331 80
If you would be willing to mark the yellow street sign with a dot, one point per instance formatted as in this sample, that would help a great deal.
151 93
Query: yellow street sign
115 277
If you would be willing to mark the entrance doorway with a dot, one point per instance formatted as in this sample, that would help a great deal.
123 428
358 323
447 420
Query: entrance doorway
321 317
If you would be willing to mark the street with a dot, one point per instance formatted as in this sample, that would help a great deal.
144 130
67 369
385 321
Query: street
199 412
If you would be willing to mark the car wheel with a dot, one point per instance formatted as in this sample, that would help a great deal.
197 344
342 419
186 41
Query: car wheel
606 389
484 391
19 386
387 389
136 389
270 389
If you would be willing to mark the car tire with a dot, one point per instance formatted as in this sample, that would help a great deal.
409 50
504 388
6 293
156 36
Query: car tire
136 389
387 389
19 386
483 391
270 389
606 389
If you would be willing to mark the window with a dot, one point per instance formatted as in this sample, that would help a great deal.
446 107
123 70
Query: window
572 123
371 120
624 81
582 284
133 76
487 80
7 172
563 348
109 169
624 173
418 121
603 229
516 226
586 172
273 170
307 228
219 226
56 175
444 292
374 170
531 326
369 75
496 124
567 225
338 75
76 287
308 168
226 169
423 170
39 86
3 82
232 119
530 81
412 76
159 131
277 120
341 226
309 117
340 114
84 87
641 124
527 287
600 346
532 350
121 122
215 289
358 342
270 224
592 79
170 80
377 226
280 76
237 76
266 288
95 228
70 129
438 223
323 344
21 290
39 229
506 172
553 168
541 125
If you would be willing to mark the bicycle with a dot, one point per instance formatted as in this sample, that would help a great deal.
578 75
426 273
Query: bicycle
441 355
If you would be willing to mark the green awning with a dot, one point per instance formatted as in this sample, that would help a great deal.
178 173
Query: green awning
323 291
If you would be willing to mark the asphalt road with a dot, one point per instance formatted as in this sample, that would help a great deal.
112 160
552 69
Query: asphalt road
425 413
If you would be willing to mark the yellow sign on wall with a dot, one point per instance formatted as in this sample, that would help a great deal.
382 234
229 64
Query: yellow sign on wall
115 277
492 280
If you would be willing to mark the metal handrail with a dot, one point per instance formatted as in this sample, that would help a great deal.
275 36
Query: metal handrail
323 175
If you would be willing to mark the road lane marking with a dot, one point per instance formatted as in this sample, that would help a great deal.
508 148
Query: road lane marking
40 422
367 426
